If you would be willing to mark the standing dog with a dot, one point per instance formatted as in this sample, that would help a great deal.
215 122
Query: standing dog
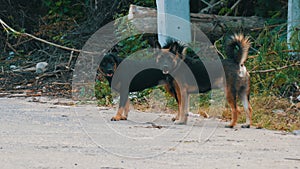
132 76
235 81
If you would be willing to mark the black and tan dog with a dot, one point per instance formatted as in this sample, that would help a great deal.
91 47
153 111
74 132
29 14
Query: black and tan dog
231 75
132 76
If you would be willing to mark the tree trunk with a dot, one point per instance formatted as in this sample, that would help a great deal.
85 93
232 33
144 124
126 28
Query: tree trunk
213 26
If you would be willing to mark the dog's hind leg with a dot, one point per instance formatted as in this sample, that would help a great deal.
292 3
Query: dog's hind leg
126 108
248 110
177 114
231 99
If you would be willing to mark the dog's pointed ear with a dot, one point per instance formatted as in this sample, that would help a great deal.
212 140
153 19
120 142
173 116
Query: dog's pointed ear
184 53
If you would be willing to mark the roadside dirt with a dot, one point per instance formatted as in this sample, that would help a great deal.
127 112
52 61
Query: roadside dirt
56 133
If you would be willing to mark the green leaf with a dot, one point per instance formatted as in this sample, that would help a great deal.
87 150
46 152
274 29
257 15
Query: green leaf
58 3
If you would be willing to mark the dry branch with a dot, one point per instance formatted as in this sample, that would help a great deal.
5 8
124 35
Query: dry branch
233 6
276 69
8 29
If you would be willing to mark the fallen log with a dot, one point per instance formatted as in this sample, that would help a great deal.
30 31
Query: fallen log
213 26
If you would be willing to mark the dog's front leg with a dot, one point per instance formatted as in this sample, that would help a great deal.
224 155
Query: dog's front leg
175 92
179 107
122 106
183 108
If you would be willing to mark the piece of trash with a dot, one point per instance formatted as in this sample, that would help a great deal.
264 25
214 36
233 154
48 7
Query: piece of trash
190 114
19 87
279 112
103 108
11 55
153 125
211 101
203 114
41 67
13 67
296 132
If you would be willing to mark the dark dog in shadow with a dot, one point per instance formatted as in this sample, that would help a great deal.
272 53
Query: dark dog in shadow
231 75
126 75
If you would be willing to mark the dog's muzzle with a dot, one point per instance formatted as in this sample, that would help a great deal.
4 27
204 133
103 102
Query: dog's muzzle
109 73
165 69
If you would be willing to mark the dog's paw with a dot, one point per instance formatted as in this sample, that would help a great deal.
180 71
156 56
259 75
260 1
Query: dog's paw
174 118
179 122
229 126
118 118
245 126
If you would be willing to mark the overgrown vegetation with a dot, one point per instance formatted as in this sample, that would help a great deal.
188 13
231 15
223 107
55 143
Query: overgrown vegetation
272 57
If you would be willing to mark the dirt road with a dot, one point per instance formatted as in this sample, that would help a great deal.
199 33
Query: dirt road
48 135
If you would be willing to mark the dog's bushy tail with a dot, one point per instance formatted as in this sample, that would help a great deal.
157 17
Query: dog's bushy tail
237 48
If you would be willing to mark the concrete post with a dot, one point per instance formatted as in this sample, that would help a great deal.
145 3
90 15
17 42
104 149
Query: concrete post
173 17
293 17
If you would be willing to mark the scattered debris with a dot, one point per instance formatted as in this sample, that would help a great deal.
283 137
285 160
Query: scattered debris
4 94
103 108
24 82
190 114
279 112
41 67
154 125
69 103
13 67
295 159
203 113
259 126
296 132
